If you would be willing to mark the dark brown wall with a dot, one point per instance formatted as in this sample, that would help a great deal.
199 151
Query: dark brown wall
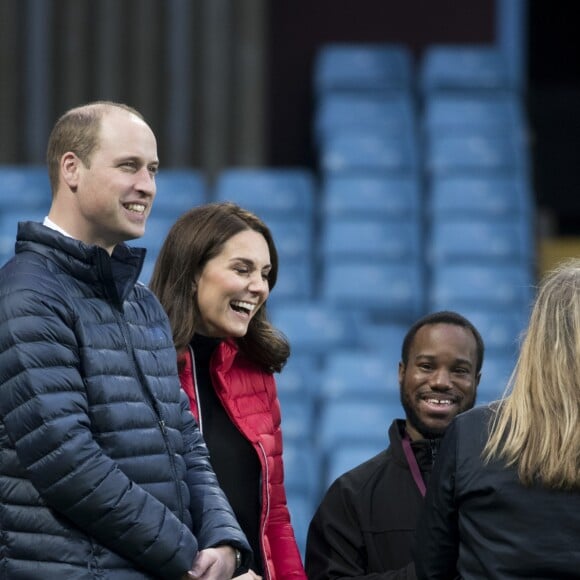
554 109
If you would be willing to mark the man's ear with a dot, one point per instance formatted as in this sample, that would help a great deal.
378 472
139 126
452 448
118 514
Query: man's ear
477 379
401 372
70 169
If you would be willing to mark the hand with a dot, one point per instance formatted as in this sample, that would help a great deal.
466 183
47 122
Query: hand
249 575
213 564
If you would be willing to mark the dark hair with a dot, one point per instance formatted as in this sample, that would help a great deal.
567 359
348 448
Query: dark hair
443 317
196 237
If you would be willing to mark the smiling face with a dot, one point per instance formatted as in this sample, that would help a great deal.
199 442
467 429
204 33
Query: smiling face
112 195
439 380
233 286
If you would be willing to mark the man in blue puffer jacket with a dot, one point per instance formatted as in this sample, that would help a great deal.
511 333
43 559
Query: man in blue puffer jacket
103 471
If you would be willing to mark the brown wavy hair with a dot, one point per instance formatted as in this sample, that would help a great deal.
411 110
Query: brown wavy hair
196 237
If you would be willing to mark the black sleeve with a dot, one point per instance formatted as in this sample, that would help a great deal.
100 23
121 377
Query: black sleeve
335 547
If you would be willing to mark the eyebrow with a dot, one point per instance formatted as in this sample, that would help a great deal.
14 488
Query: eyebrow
249 262
136 159
464 361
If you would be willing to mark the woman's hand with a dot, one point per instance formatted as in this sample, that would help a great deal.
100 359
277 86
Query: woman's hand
249 575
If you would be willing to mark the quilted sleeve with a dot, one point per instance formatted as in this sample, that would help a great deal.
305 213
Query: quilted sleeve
44 411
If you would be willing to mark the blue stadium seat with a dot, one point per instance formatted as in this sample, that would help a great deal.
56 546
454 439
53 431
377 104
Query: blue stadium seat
484 112
25 187
301 469
457 286
369 150
361 194
464 67
347 456
156 230
501 330
295 280
470 239
391 114
371 238
315 327
369 374
299 377
294 244
301 512
178 190
481 195
9 218
363 67
364 285
353 420
293 237
495 374
270 193
297 419
453 153
383 334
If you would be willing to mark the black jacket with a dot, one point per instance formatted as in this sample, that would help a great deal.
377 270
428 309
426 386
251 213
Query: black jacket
482 523
103 470
365 525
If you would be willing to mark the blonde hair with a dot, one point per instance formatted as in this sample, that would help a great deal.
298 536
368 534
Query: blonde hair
536 426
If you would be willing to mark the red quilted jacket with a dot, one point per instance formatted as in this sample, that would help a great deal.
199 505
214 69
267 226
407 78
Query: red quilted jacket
249 396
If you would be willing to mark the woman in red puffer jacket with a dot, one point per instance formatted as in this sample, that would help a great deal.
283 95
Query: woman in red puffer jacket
213 275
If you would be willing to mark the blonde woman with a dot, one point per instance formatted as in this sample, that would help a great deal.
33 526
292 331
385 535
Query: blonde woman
504 498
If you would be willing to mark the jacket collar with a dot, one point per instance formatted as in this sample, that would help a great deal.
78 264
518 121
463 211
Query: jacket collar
425 450
117 273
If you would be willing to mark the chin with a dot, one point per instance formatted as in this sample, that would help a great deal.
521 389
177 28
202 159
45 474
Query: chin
237 333
433 431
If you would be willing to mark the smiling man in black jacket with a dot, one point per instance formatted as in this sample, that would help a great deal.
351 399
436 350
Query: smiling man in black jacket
364 526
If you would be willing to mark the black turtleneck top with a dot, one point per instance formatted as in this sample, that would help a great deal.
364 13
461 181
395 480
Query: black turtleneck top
232 456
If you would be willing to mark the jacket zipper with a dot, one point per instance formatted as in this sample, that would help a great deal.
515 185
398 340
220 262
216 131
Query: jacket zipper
197 399
152 402
265 480
434 451
265 476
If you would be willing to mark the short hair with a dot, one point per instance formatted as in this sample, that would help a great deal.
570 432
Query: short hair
196 237
443 317
77 130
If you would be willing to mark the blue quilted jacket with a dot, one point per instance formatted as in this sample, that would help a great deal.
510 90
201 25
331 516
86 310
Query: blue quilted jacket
103 471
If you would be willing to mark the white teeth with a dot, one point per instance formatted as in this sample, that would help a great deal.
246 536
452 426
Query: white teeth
138 207
245 305
439 401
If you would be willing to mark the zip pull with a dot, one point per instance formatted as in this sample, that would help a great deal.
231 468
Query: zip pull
162 425
434 444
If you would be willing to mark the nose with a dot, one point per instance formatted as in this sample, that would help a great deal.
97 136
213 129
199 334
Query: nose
258 284
146 181
441 379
